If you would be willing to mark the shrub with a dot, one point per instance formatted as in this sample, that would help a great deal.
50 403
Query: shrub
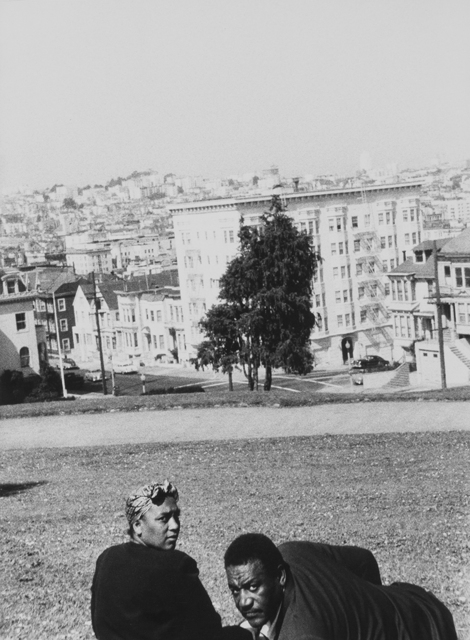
12 388
50 387
159 392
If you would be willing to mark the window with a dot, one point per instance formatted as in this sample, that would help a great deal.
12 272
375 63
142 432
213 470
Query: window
335 272
152 316
155 341
412 215
413 238
24 357
20 321
447 272
359 269
338 224
383 242
66 344
317 300
357 245
161 341
407 238
381 218
146 314
331 224
61 304
367 220
339 321
392 264
136 343
387 288
333 248
354 222
363 315
400 290
458 282
405 216
384 266
387 216
63 324
371 267
360 293
341 248
467 278
390 241
338 296
10 286
231 236
420 258
347 319
343 272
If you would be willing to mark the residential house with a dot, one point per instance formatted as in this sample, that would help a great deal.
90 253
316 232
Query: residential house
22 344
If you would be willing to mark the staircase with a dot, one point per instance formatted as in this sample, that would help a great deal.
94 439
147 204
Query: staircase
401 377
460 355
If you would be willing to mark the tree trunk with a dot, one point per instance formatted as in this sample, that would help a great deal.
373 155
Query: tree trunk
230 379
268 379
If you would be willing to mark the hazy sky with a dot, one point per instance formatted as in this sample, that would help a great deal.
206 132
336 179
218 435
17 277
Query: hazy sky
94 89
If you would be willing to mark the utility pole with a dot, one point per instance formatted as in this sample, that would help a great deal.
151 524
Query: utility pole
61 364
100 346
440 336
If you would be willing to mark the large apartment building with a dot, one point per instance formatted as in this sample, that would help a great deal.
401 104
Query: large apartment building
360 232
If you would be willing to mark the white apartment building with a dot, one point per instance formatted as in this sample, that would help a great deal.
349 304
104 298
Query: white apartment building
361 233
150 325
85 261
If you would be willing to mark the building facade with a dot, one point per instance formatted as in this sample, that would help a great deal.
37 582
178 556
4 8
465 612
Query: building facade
361 233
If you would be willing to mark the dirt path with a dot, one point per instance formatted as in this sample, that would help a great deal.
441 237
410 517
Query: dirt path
231 423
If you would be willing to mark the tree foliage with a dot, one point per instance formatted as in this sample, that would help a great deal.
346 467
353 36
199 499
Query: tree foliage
265 317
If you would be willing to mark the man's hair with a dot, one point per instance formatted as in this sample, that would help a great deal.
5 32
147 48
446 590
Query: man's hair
252 547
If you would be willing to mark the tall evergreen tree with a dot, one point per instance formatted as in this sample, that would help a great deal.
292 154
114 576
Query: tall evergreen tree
268 289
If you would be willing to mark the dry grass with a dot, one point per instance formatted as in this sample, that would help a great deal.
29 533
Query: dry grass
404 496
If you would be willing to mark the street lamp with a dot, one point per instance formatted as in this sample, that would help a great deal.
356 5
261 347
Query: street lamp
142 378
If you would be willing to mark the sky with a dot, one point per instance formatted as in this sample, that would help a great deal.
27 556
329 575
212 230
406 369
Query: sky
91 90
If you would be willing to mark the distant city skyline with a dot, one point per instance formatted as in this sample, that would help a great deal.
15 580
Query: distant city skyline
93 90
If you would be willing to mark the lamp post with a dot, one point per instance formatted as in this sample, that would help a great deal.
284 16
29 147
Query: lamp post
142 378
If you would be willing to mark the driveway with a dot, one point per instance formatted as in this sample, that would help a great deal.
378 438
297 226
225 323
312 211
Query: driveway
232 423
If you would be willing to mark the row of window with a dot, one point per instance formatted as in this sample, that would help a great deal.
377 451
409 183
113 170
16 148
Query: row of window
150 315
403 326
403 290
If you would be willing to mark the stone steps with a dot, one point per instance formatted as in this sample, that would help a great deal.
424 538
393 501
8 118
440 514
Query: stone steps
401 377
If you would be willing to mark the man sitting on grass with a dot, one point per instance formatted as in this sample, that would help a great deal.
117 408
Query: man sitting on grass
310 591
146 590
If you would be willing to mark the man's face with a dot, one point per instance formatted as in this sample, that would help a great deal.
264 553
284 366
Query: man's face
257 594
160 526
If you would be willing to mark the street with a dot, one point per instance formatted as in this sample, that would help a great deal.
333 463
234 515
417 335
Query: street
232 423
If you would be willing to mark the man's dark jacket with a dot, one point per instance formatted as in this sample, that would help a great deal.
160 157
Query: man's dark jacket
335 593
143 593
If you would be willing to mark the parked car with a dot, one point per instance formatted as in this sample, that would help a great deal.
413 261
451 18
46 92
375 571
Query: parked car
73 381
125 367
94 375
370 363
67 363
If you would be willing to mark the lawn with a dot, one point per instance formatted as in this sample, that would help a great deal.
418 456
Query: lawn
404 496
